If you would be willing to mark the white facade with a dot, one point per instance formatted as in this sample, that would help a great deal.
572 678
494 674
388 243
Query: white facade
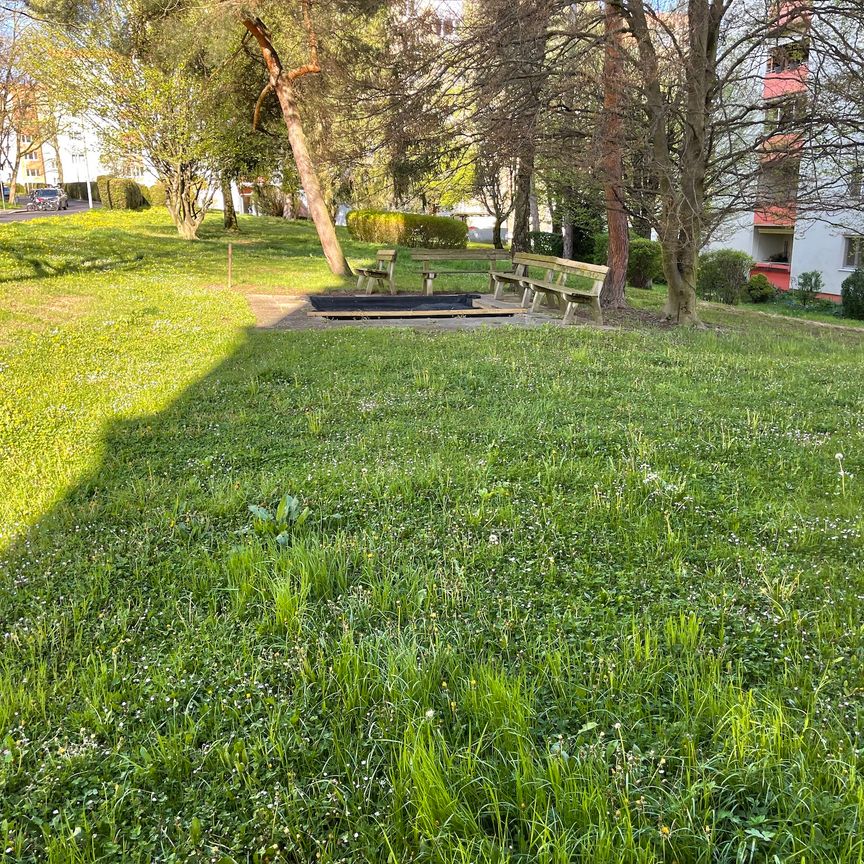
826 247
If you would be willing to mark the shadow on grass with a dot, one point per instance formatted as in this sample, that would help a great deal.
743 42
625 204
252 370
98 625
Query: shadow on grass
140 659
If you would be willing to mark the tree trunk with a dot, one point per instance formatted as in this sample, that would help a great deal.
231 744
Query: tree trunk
309 180
522 204
568 241
555 213
679 267
612 293
181 195
288 208
496 233
281 81
229 214
532 203
55 144
14 182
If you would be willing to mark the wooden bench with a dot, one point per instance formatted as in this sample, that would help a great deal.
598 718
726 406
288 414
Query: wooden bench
433 259
553 285
382 273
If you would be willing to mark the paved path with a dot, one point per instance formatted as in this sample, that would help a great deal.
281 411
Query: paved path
25 215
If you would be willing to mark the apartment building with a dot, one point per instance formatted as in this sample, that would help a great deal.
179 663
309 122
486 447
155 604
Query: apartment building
784 238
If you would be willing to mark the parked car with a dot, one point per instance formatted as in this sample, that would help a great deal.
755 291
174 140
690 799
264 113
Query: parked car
49 198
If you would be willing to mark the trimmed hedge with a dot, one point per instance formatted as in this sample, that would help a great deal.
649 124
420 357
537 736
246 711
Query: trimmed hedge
645 264
546 243
407 229
119 193
157 194
78 191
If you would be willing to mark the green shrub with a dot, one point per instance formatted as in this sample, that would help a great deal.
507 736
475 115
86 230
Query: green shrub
157 194
601 248
852 292
102 182
807 286
78 191
119 193
723 275
645 264
583 243
125 194
268 199
546 243
145 194
760 290
407 229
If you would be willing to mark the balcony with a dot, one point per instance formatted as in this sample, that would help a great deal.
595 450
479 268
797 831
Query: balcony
787 69
781 145
779 275
785 83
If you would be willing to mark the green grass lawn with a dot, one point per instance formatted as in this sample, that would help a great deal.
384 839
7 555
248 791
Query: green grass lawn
545 595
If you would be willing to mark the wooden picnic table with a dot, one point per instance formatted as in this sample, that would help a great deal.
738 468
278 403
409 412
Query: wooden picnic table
435 263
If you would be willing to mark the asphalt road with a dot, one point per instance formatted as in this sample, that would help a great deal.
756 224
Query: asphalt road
24 215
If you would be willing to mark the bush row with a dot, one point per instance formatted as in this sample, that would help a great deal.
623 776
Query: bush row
78 191
121 193
407 229
724 276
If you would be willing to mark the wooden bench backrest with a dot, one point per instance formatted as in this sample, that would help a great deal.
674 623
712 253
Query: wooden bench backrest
563 266
388 255
460 255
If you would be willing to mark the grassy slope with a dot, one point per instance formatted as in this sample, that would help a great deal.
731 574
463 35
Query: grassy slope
560 595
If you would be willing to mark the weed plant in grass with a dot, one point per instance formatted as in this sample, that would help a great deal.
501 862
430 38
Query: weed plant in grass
544 595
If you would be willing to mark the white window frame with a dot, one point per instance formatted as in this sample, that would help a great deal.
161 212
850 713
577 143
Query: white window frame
853 252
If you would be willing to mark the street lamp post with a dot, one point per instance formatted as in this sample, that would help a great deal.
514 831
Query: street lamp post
87 169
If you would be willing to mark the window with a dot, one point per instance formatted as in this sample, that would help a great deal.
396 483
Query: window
34 172
854 252
785 114
856 183
31 157
785 58
26 139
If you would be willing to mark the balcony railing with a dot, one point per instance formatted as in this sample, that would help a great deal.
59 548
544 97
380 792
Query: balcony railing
785 83
779 275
